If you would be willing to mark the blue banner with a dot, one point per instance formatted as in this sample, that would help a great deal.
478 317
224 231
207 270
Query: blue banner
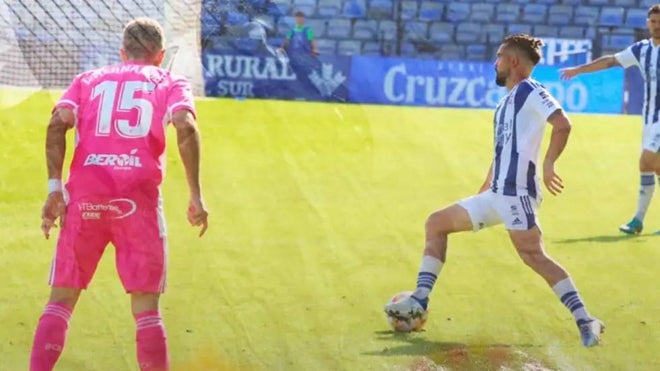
268 75
472 85
565 52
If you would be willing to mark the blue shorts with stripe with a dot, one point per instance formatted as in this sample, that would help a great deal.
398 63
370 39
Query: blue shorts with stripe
488 209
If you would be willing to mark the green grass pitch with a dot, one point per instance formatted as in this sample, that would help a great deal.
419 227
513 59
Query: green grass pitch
317 214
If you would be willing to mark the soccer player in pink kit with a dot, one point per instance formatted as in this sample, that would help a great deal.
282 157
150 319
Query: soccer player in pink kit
119 114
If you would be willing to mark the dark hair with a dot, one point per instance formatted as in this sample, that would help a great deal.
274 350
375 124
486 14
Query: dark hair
527 44
655 9
299 14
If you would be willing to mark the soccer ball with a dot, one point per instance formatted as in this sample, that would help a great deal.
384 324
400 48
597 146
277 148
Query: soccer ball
401 324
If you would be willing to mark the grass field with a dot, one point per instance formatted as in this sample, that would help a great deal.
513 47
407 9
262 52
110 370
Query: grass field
317 219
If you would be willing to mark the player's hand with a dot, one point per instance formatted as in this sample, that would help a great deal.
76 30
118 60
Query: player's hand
568 73
197 214
552 181
54 208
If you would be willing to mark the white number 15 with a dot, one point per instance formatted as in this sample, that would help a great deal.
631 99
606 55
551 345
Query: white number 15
127 101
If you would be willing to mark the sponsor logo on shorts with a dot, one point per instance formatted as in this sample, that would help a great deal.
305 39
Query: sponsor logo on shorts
125 161
118 208
517 221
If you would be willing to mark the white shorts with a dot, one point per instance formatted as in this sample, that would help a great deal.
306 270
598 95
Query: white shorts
487 209
651 137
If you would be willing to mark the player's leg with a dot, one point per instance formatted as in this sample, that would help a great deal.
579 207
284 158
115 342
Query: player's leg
648 161
79 249
519 215
472 213
141 263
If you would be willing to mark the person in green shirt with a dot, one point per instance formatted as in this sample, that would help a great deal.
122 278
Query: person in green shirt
300 39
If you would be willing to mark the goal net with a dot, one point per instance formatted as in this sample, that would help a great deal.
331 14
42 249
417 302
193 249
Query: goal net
45 43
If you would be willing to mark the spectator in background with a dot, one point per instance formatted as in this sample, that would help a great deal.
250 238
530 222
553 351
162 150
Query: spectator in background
300 39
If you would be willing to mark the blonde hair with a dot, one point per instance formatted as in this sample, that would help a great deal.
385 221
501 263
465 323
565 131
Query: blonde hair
143 38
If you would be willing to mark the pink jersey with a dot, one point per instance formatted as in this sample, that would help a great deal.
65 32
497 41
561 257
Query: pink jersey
122 112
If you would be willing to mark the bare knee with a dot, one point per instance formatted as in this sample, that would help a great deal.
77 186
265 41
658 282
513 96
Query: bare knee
648 162
143 302
438 223
64 295
534 259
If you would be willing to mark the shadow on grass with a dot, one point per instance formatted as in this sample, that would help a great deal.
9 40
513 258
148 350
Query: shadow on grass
607 238
432 355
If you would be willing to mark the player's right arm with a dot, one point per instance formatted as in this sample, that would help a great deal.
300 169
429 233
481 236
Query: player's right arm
626 58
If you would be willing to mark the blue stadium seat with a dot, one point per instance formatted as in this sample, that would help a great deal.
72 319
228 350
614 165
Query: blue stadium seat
317 25
430 11
409 10
327 47
534 13
476 52
546 31
365 29
598 2
636 18
507 13
339 28
349 47
236 18
380 9
303 2
457 12
571 32
275 41
626 3
586 15
210 22
371 48
441 32
408 50
279 8
611 17
387 29
494 33
611 41
246 44
307 9
222 43
416 31
284 24
519 28
468 33
328 10
560 15
451 52
572 2
354 9
482 12
547 2
647 3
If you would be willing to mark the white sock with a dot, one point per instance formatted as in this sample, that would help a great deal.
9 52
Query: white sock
568 294
646 189
428 273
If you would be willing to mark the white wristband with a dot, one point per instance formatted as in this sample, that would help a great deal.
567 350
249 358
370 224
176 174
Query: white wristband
54 185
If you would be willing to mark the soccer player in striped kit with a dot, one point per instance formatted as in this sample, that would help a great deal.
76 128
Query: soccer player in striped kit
511 193
644 55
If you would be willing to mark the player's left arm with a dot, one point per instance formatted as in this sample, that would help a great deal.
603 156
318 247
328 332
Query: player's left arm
549 109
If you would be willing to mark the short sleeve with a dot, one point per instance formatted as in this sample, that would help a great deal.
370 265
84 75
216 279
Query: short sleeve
180 97
71 97
629 57
289 34
310 34
543 103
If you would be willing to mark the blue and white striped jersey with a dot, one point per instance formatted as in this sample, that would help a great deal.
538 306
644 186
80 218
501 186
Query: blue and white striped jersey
519 122
646 57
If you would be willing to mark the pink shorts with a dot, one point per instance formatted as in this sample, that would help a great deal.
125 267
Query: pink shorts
136 229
